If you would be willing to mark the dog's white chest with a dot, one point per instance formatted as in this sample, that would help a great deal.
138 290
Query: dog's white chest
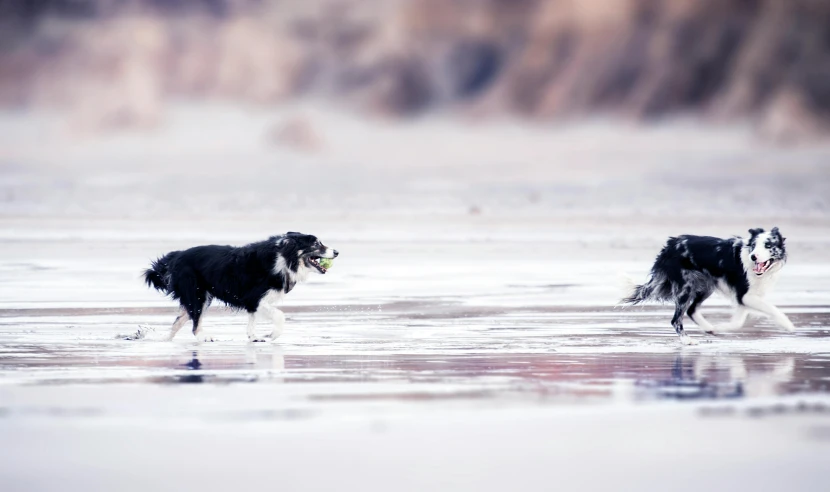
761 285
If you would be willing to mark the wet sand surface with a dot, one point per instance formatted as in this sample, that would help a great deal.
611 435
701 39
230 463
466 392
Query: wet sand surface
460 362
466 338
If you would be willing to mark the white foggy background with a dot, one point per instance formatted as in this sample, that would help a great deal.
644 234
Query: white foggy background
258 110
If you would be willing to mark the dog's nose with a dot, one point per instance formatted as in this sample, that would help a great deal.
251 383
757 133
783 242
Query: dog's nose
751 257
336 253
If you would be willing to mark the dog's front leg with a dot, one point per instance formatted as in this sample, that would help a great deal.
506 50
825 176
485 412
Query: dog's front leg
278 317
759 304
737 321
252 328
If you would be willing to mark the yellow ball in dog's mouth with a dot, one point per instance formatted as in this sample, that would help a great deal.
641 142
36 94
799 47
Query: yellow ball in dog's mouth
325 262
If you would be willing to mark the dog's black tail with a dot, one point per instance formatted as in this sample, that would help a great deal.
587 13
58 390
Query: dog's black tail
637 295
656 289
157 275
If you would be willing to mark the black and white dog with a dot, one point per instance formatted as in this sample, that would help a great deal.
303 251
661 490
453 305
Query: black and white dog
690 268
253 277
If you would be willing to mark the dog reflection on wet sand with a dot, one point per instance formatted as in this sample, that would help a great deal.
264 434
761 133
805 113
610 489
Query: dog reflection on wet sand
263 362
721 376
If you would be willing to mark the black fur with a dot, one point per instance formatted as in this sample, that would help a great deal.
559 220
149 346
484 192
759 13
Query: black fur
690 268
238 276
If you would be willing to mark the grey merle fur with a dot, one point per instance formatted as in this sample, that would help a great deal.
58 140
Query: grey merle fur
690 268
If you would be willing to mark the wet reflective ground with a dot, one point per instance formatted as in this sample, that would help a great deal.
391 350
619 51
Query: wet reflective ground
552 355
479 372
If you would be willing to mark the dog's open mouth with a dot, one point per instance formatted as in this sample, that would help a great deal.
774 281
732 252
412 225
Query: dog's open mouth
314 261
761 267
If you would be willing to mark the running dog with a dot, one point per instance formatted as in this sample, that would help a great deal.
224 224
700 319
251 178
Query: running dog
253 277
690 268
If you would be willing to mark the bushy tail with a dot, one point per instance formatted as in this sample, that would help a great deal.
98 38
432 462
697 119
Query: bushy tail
156 275
636 294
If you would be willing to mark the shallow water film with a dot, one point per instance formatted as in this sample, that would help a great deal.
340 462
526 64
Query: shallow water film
457 361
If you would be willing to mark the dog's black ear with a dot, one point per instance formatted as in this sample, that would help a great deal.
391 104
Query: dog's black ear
287 245
755 232
777 233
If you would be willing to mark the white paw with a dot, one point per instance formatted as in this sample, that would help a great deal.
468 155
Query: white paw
784 322
687 340
204 338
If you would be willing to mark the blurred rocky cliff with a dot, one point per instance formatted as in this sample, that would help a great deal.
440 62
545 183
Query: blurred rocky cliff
116 63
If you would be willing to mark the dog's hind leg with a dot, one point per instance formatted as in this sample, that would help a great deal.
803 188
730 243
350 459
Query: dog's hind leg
697 317
682 304
195 300
197 330
177 325
197 312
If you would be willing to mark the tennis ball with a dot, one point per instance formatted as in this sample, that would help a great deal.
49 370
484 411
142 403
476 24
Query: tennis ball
325 262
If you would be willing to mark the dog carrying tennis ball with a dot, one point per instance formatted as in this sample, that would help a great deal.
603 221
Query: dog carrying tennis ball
325 262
